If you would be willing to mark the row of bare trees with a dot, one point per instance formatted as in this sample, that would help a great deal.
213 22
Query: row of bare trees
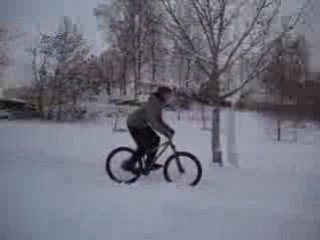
190 43
193 44
205 43
142 52
133 31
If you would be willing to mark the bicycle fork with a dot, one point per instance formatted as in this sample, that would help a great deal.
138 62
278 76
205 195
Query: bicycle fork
178 162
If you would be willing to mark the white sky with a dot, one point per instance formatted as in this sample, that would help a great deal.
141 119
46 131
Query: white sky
32 15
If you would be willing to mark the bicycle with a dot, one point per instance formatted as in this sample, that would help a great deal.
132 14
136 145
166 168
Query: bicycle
176 157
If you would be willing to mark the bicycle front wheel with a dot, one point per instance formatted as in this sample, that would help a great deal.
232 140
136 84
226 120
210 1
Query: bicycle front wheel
114 165
183 168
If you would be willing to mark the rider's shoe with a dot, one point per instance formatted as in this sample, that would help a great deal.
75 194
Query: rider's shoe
129 166
156 166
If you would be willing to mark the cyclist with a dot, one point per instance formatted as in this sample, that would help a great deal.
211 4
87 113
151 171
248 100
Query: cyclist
141 125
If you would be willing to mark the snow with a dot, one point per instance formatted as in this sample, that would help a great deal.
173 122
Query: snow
53 185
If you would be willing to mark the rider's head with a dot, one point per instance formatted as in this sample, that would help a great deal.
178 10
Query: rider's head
165 93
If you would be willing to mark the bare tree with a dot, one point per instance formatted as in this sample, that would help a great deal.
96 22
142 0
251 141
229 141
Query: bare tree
285 75
113 24
287 69
156 50
58 67
7 36
4 60
132 28
223 32
110 70
39 83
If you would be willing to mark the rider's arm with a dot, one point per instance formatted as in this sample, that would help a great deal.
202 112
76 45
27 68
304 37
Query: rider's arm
169 129
154 116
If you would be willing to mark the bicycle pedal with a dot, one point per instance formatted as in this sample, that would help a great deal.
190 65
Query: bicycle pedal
146 172
156 167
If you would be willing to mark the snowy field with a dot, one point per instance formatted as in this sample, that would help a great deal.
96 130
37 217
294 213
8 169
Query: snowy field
53 185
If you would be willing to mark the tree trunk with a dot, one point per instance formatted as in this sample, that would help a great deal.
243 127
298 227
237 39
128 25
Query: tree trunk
74 104
231 138
135 75
139 66
215 132
215 136
108 88
188 73
296 120
108 80
180 71
179 114
59 98
52 102
203 117
279 119
153 59
39 99
279 130
124 77
115 126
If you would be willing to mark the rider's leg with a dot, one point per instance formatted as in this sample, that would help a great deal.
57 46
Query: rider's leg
152 144
150 141
136 136
146 139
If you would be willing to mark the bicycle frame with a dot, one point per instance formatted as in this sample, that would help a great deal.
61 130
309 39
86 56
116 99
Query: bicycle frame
164 147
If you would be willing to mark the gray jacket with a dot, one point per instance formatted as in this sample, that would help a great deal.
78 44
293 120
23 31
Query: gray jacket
150 114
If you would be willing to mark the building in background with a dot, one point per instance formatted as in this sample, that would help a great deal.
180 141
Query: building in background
14 108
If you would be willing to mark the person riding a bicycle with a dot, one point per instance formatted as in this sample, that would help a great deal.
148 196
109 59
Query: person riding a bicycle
141 125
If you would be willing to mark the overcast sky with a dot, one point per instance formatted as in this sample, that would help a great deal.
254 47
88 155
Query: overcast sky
32 15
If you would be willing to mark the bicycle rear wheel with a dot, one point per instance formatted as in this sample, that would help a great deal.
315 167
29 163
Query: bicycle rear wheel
183 166
114 162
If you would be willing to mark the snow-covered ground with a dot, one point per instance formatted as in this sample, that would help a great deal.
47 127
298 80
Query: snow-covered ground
53 185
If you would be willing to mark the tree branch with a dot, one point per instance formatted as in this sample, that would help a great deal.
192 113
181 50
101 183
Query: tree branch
244 35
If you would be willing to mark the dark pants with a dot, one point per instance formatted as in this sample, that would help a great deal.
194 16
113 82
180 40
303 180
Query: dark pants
146 139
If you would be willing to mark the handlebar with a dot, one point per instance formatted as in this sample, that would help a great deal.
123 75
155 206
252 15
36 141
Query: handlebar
170 143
